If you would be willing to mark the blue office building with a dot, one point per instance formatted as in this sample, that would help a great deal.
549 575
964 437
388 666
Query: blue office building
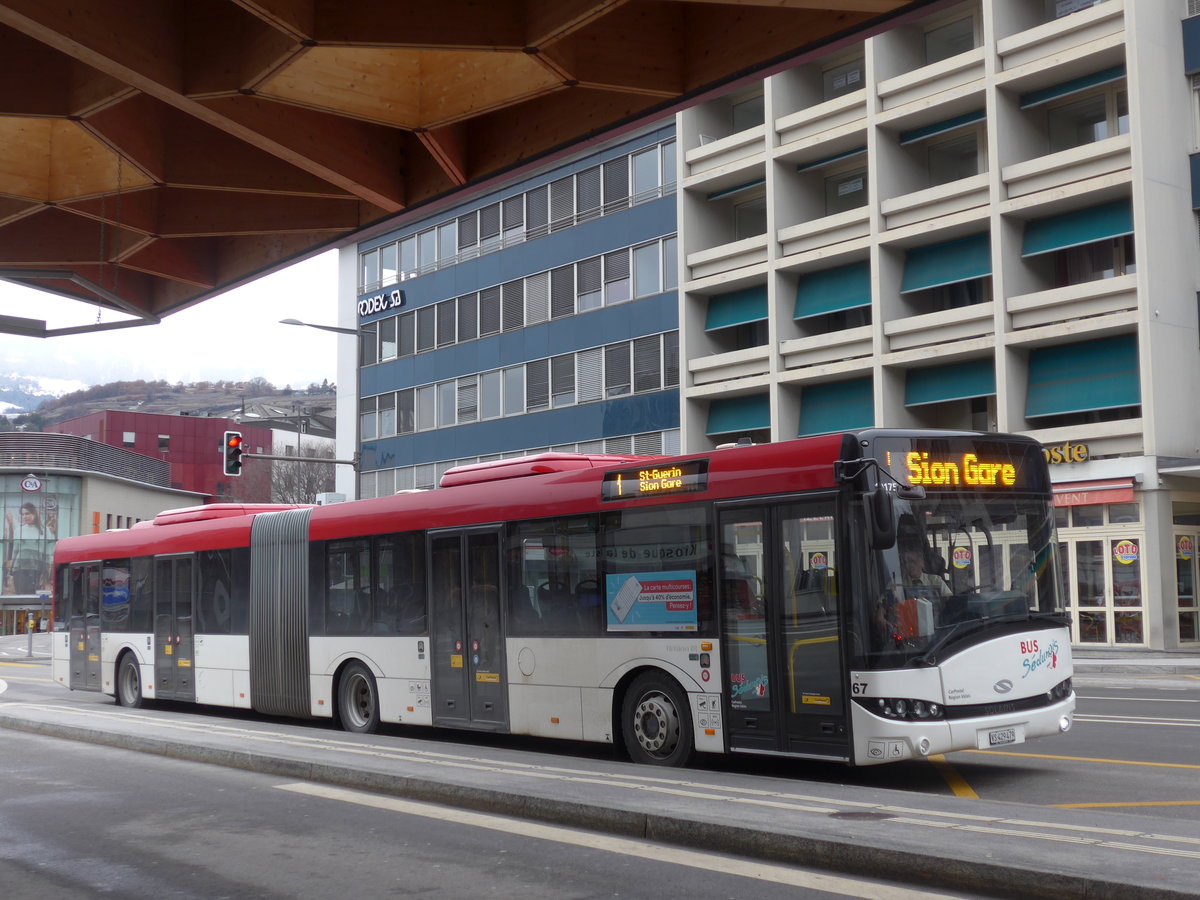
537 316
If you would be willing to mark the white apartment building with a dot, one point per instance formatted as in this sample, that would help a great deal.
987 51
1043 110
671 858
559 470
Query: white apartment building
982 218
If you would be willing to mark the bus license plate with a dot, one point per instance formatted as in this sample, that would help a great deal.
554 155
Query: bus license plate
999 737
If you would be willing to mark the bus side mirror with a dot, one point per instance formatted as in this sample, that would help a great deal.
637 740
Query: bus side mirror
881 519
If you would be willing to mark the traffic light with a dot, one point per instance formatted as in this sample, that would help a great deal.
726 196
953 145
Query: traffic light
231 447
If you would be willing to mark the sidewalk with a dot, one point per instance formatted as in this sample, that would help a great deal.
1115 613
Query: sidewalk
1111 661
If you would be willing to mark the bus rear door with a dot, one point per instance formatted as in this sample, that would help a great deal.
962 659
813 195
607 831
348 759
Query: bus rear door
174 637
780 631
469 685
84 627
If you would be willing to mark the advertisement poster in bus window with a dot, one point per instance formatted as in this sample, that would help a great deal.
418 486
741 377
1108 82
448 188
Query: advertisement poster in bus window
34 513
651 601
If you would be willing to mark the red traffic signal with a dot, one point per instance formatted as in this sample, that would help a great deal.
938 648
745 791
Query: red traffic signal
231 447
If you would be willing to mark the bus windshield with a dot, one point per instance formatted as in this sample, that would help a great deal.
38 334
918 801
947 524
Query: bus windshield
973 551
961 564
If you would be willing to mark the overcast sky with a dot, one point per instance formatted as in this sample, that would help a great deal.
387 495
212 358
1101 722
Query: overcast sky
235 336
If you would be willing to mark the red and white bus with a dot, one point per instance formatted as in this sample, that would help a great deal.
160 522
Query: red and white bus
861 597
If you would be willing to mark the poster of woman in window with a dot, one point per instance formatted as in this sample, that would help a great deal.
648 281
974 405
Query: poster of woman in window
31 521
28 545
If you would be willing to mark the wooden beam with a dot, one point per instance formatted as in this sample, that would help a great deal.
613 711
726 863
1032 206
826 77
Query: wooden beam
188 261
360 158
865 6
229 50
549 21
294 18
421 24
447 146
49 93
636 49
187 213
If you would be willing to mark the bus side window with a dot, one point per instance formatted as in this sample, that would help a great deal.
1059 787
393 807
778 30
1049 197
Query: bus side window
347 597
399 581
553 587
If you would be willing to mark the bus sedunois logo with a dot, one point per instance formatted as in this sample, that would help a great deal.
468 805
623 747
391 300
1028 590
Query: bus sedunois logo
1003 686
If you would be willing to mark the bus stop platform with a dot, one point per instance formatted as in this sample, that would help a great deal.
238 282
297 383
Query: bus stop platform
966 847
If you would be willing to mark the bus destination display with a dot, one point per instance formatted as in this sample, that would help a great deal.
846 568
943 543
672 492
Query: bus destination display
966 466
646 482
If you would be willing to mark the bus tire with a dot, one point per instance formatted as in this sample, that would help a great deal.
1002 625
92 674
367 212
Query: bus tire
656 722
358 700
129 683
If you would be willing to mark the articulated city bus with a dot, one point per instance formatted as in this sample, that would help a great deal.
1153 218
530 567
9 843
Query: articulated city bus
861 597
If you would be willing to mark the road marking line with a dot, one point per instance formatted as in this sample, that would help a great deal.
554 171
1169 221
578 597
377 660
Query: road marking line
1128 803
788 801
708 862
957 783
1091 759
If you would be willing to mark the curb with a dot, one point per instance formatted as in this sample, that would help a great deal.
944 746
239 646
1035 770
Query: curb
848 856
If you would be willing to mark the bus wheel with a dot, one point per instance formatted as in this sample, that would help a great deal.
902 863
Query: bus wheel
656 722
129 683
358 701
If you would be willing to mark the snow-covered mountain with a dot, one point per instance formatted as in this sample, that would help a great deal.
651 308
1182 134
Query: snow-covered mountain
23 393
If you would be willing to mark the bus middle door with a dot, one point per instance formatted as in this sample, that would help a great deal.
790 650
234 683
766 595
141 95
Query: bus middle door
469 684
780 630
84 628
174 636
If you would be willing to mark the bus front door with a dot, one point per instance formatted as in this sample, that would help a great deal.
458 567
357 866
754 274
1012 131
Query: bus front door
84 628
780 632
174 677
469 684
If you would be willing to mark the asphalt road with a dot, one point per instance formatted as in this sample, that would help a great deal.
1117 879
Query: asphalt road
1127 768
77 821
1135 747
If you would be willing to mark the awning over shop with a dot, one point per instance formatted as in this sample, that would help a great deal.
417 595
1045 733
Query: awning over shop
1086 493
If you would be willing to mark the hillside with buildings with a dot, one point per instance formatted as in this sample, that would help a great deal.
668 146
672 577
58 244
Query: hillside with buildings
254 399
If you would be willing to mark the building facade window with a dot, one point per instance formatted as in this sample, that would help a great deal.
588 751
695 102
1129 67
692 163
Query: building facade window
599 190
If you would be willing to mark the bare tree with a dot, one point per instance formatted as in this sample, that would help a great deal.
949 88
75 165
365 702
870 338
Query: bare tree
300 482
255 482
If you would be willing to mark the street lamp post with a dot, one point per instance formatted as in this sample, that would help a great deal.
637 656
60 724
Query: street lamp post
354 332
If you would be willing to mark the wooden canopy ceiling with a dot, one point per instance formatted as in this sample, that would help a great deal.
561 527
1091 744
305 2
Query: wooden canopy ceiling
156 152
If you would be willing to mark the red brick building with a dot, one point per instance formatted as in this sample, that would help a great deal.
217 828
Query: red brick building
190 444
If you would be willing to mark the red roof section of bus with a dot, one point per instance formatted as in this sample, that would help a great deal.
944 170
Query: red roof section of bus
539 464
219 511
759 470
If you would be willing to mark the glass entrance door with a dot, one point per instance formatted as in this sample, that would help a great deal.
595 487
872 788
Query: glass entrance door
1185 587
784 673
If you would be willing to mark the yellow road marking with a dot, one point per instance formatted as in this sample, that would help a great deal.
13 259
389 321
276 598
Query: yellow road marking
956 782
1091 759
22 665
